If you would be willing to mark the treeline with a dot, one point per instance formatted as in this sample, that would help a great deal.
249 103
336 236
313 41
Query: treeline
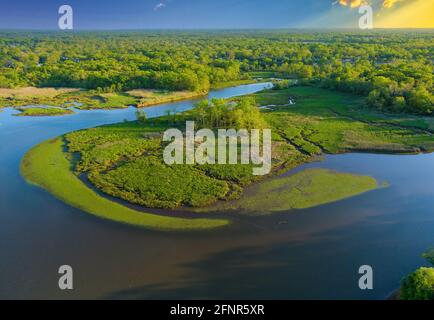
393 69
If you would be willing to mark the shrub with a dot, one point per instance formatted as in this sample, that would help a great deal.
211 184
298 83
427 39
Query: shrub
419 285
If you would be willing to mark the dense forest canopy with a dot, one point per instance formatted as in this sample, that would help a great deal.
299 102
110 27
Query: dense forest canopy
393 69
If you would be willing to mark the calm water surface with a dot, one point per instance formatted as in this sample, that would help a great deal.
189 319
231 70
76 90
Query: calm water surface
313 253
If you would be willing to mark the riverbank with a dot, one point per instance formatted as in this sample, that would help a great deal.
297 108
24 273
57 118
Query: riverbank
94 99
47 166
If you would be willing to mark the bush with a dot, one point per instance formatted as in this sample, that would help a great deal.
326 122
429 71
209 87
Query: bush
419 285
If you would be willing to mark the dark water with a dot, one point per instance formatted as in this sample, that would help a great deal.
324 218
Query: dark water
312 253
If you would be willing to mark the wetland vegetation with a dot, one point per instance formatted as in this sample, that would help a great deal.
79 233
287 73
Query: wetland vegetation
305 189
124 160
342 92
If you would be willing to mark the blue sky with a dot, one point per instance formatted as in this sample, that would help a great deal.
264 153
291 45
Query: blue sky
178 14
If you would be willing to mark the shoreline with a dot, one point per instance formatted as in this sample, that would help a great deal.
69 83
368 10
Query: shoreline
42 100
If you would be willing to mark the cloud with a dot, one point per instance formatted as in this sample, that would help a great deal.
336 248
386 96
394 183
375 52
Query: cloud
357 3
159 6
389 3
351 3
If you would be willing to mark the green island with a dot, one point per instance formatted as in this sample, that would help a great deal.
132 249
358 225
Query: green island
43 111
47 166
124 160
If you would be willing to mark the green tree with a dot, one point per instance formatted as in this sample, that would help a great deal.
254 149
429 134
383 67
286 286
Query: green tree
420 100
419 285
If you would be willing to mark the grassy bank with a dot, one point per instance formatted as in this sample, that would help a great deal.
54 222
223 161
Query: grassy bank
305 189
93 99
47 166
153 97
90 99
45 111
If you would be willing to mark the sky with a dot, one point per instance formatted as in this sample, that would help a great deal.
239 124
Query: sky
214 14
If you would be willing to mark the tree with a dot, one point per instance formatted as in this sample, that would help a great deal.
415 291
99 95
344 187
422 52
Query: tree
419 285
421 101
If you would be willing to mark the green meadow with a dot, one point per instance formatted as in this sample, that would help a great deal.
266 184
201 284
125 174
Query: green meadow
305 189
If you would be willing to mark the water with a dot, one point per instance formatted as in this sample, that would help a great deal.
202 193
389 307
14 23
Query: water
313 253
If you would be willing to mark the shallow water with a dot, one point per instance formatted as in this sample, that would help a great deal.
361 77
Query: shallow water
313 253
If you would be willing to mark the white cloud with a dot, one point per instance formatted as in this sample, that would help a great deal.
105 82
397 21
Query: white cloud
159 6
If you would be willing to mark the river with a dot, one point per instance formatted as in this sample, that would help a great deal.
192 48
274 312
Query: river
304 254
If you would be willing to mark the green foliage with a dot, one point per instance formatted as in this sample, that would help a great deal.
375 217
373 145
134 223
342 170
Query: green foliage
241 113
238 173
125 161
150 182
419 285
283 84
393 69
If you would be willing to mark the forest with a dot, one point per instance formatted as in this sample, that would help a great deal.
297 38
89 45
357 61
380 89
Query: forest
393 70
